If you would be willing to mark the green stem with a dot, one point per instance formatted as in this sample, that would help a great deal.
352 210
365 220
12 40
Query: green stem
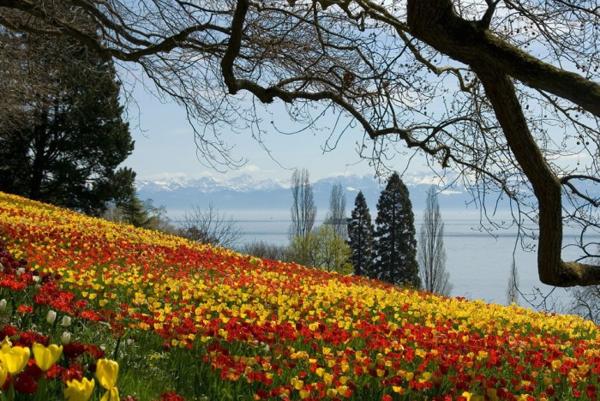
116 351
13 307
11 391
42 389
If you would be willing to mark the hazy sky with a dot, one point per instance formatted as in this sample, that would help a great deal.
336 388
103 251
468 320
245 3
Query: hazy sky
164 147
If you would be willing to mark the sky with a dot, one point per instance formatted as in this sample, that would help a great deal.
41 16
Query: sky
164 147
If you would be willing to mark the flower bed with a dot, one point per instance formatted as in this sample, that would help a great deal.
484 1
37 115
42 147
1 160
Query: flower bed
248 328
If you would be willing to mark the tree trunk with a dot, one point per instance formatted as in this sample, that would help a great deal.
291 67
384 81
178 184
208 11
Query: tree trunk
436 23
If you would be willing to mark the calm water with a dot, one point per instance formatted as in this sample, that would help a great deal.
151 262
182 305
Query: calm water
479 264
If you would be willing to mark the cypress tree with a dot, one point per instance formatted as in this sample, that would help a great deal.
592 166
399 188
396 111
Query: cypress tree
360 234
394 241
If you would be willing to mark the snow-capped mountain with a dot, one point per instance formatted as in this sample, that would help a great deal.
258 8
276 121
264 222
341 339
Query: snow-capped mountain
240 183
247 192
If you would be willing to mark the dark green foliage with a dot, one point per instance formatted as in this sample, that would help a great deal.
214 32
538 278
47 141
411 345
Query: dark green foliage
135 212
132 210
360 234
394 241
72 140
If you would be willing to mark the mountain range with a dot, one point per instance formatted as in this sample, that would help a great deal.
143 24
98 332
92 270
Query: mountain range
245 192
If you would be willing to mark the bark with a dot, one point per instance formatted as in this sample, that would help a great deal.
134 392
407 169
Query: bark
546 186
494 62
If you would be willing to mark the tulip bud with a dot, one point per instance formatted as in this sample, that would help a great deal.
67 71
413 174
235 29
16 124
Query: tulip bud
20 271
107 372
6 343
36 279
1 267
66 337
51 316
3 303
66 321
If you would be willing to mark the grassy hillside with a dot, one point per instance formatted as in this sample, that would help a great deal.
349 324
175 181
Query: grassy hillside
202 323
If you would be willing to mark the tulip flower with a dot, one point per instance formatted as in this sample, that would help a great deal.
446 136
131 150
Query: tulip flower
107 372
65 338
79 390
65 321
111 395
51 316
3 373
6 343
45 357
15 358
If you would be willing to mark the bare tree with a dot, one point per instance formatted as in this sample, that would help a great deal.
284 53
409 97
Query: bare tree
262 249
586 301
209 226
432 254
512 289
303 209
498 91
337 211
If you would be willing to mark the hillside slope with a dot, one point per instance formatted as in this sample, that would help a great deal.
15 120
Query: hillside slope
213 324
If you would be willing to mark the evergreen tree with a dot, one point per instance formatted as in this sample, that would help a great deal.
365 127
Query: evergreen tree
360 233
135 212
72 137
394 241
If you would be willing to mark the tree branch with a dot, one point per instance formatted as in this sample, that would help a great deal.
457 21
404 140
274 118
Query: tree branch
436 23
546 186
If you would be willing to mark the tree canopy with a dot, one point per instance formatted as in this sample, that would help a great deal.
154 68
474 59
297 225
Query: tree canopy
360 237
69 139
502 95
394 243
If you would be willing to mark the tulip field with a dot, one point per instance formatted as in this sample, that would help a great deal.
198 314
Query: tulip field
91 309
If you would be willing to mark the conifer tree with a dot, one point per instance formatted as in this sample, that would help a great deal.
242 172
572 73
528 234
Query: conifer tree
72 138
394 240
360 233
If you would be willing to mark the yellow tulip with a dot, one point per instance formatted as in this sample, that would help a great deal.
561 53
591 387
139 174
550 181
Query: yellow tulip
6 343
45 357
79 390
111 395
107 372
3 373
14 358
